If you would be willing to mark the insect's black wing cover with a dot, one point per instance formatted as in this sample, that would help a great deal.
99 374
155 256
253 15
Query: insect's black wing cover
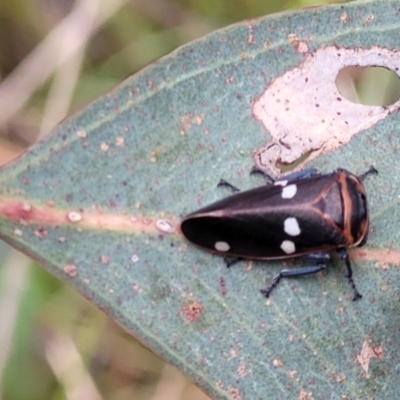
287 219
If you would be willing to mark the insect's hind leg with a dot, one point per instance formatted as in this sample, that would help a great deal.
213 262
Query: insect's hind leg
345 257
229 261
321 260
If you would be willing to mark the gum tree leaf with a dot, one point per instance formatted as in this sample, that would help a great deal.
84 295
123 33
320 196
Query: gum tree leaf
98 204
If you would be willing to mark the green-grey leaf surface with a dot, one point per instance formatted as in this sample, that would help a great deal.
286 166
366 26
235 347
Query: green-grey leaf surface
84 202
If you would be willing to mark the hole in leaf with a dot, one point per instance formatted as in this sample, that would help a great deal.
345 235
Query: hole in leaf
370 86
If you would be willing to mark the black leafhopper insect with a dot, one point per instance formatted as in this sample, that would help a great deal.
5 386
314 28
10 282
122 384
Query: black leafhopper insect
304 214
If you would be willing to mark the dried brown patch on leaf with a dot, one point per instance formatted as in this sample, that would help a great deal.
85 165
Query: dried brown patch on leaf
304 112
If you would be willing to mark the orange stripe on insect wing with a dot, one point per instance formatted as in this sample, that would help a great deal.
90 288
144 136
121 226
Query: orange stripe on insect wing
359 185
364 225
347 208
362 232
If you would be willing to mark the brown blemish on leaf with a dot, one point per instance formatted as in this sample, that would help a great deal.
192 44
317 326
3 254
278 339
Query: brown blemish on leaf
104 259
293 39
344 18
250 36
293 374
233 353
135 287
301 46
242 370
81 133
222 285
189 120
368 352
104 146
70 270
119 141
341 378
41 233
235 394
192 312
287 109
303 395
277 363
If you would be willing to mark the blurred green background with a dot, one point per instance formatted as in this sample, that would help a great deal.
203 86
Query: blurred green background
54 344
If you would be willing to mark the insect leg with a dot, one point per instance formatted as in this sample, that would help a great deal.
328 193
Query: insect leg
305 173
345 257
321 259
229 261
268 178
223 182
371 170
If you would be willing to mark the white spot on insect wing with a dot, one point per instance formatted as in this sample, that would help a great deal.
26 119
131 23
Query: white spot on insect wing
291 226
288 247
280 183
288 192
222 246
